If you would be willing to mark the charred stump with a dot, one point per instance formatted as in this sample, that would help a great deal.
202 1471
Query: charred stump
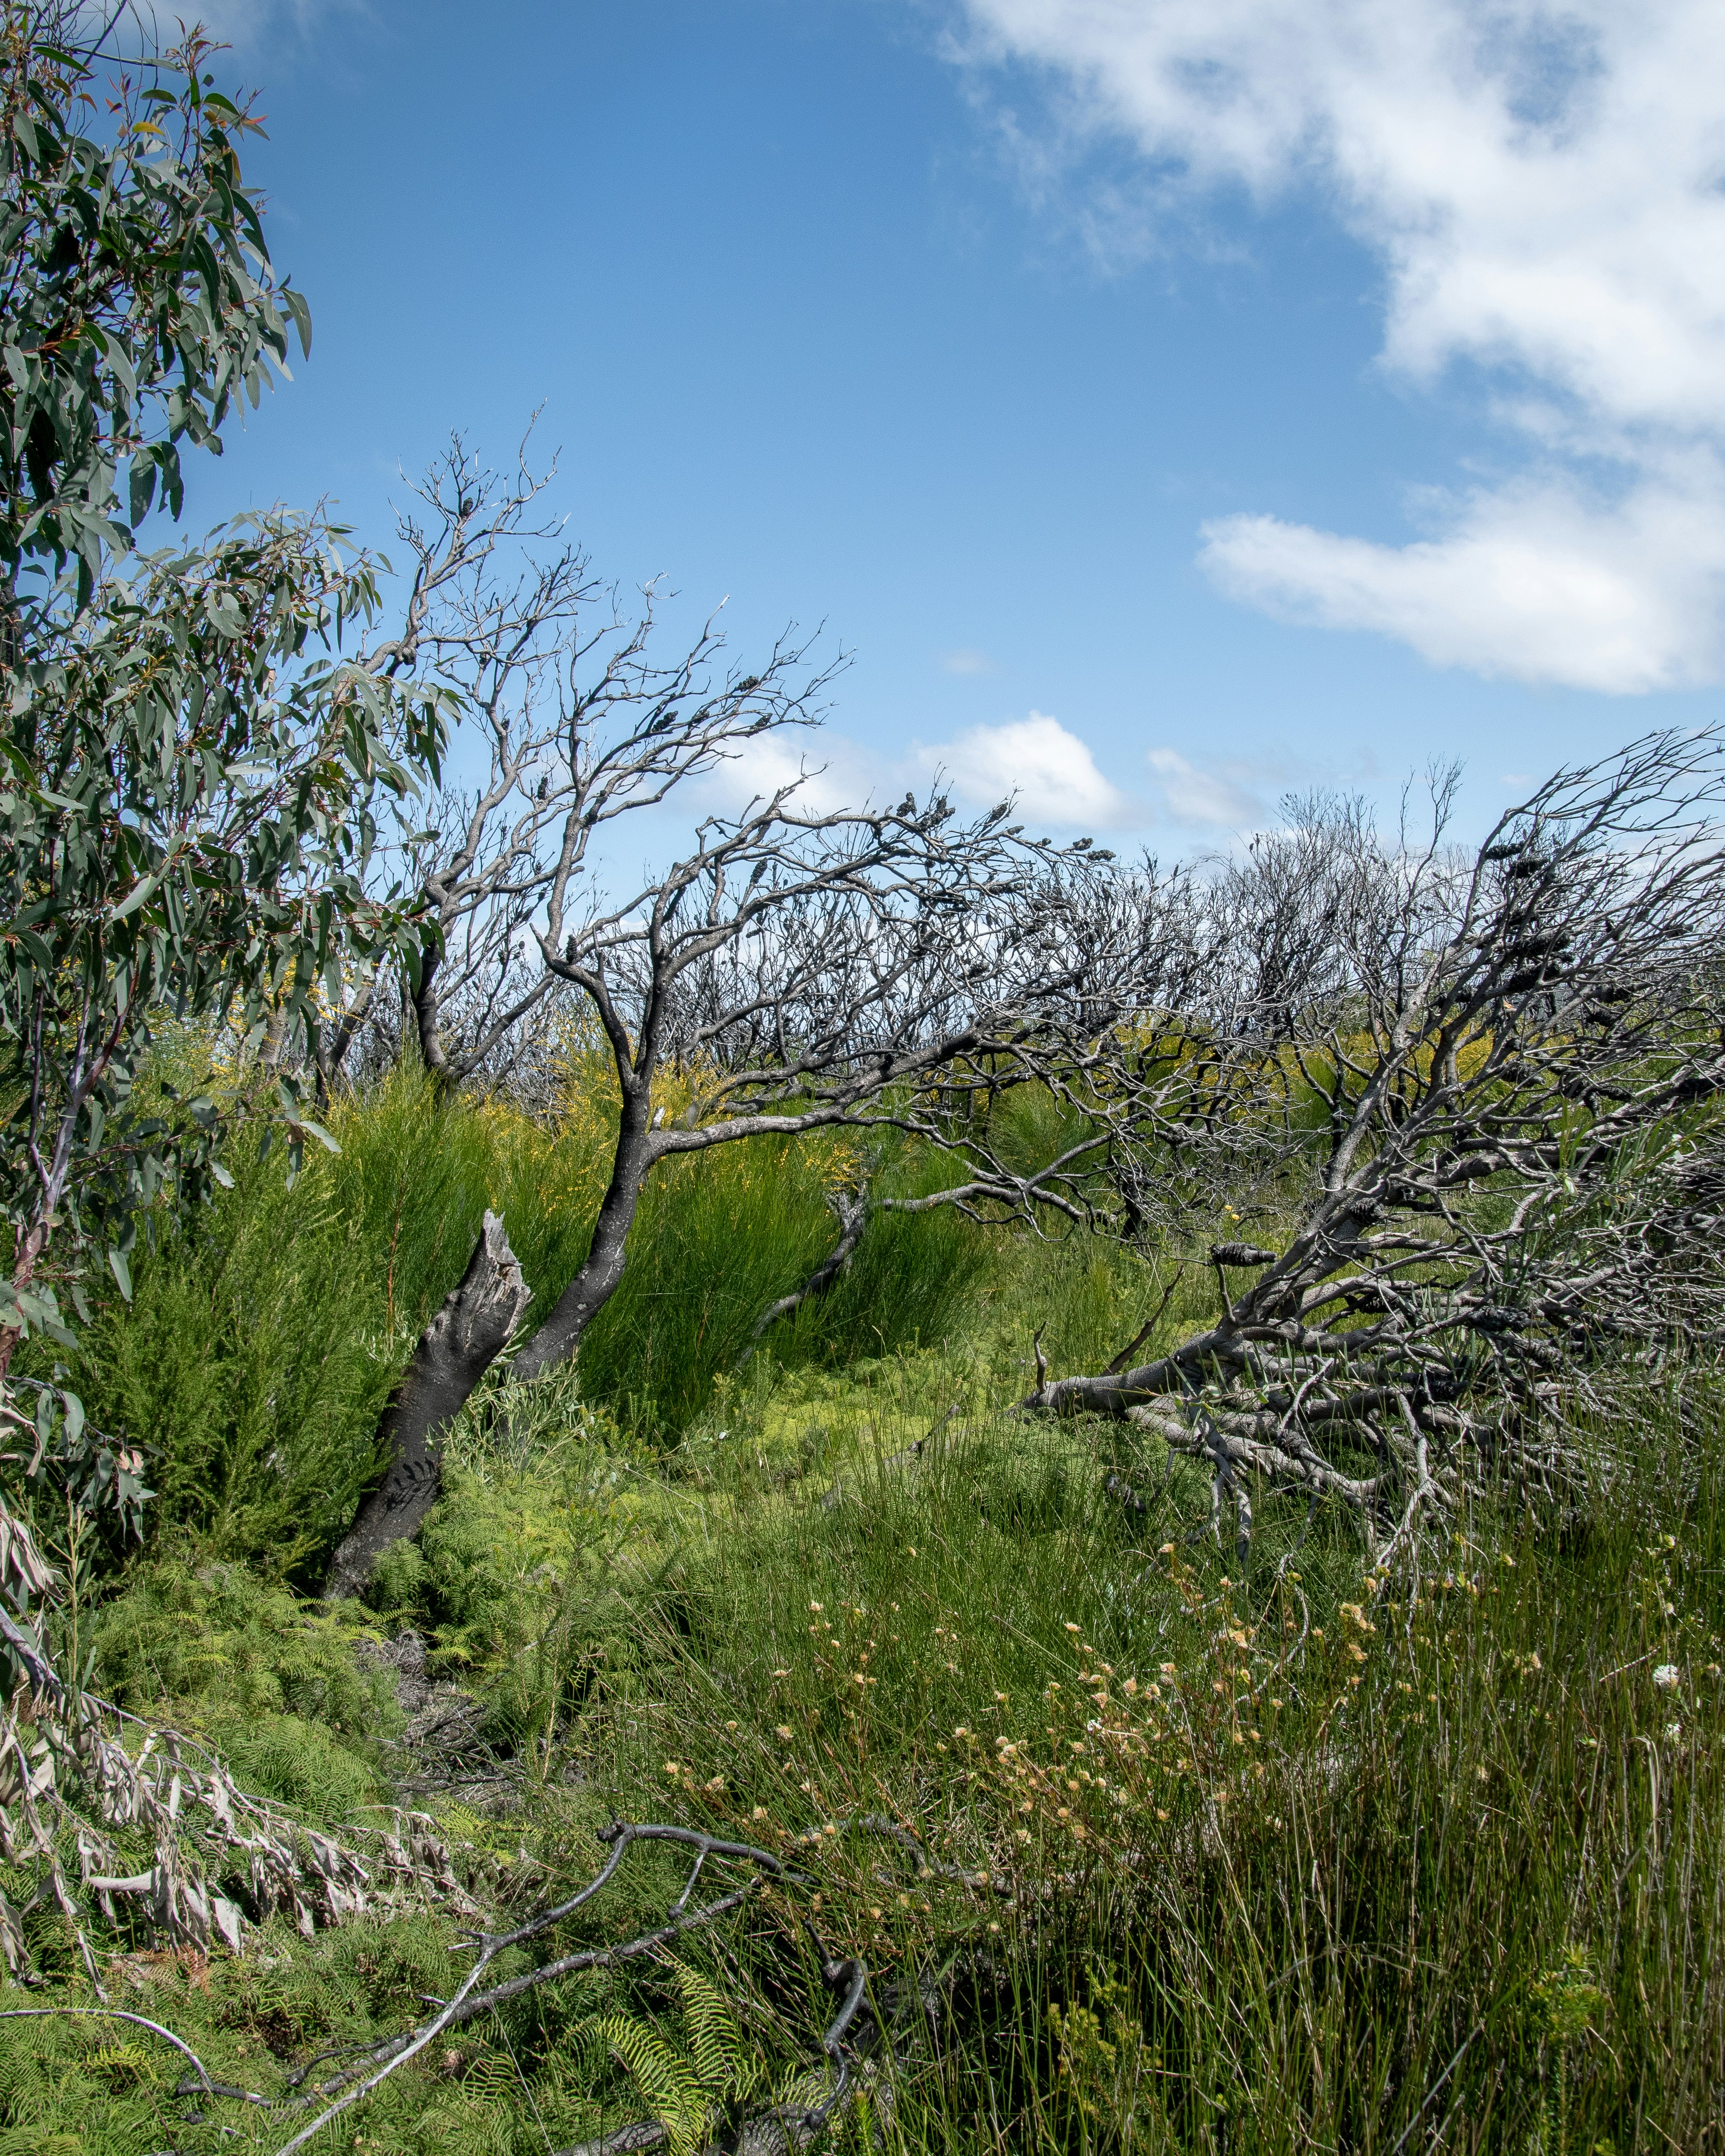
455 1352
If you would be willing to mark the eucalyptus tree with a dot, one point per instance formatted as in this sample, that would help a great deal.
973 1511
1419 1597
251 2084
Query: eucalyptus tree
189 758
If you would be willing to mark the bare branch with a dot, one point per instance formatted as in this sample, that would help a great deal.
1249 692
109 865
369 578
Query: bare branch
1479 1097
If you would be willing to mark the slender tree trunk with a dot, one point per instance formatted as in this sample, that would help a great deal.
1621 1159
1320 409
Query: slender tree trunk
28 1246
455 1352
428 1019
330 1043
592 1287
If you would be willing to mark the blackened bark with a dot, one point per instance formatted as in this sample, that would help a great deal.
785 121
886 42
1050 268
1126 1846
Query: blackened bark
455 1352
592 1288
428 1019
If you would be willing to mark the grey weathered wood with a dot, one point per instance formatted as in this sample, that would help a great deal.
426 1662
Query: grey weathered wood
455 1352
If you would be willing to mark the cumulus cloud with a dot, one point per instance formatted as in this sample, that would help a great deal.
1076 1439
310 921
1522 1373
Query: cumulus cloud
1204 796
1050 770
1542 187
829 772
1532 582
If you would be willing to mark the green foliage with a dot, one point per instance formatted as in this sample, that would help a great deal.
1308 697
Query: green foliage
270 1682
1570 1998
1107 2073
189 765
850 1584
527 1576
665 2086
177 1632
108 2086
488 1580
141 302
688 2072
265 1330
1455 1846
1346 1839
188 817
187 777
257 1414
722 1235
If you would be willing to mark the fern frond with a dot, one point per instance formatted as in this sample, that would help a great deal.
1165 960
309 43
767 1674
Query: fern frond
804 2088
668 2086
716 2036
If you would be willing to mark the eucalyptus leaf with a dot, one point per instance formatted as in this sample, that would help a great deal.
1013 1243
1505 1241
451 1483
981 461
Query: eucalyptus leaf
194 751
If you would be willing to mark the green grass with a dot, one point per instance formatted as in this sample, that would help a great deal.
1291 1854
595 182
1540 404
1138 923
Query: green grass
1265 1916
1471 1820
265 1331
1275 1863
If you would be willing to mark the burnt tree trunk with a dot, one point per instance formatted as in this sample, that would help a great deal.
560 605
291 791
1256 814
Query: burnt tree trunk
592 1288
455 1352
427 1020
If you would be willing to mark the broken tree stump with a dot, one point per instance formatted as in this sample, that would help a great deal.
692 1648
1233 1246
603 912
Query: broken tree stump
455 1352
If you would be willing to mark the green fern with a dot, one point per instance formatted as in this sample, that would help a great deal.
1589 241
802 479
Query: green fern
492 2075
724 2067
125 2064
683 2083
668 2087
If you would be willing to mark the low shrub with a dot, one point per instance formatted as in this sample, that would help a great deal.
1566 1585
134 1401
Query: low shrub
271 1681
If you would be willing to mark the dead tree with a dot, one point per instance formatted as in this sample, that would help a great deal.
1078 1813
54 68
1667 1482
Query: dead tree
795 971
801 970
455 1352
1480 1133
1085 947
498 611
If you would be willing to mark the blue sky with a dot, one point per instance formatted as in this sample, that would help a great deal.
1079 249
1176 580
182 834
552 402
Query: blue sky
1167 402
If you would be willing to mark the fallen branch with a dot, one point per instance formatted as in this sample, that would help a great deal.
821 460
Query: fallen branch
853 1217
112 2014
367 2067
470 2000
1488 1102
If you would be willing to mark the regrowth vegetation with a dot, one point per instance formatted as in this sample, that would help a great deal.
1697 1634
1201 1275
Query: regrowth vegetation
897 1485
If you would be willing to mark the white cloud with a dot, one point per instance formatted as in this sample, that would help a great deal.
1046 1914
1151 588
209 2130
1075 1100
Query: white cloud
967 661
1051 771
1534 582
1543 188
1191 795
830 772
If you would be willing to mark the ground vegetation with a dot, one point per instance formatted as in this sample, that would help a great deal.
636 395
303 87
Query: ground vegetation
1130 1557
